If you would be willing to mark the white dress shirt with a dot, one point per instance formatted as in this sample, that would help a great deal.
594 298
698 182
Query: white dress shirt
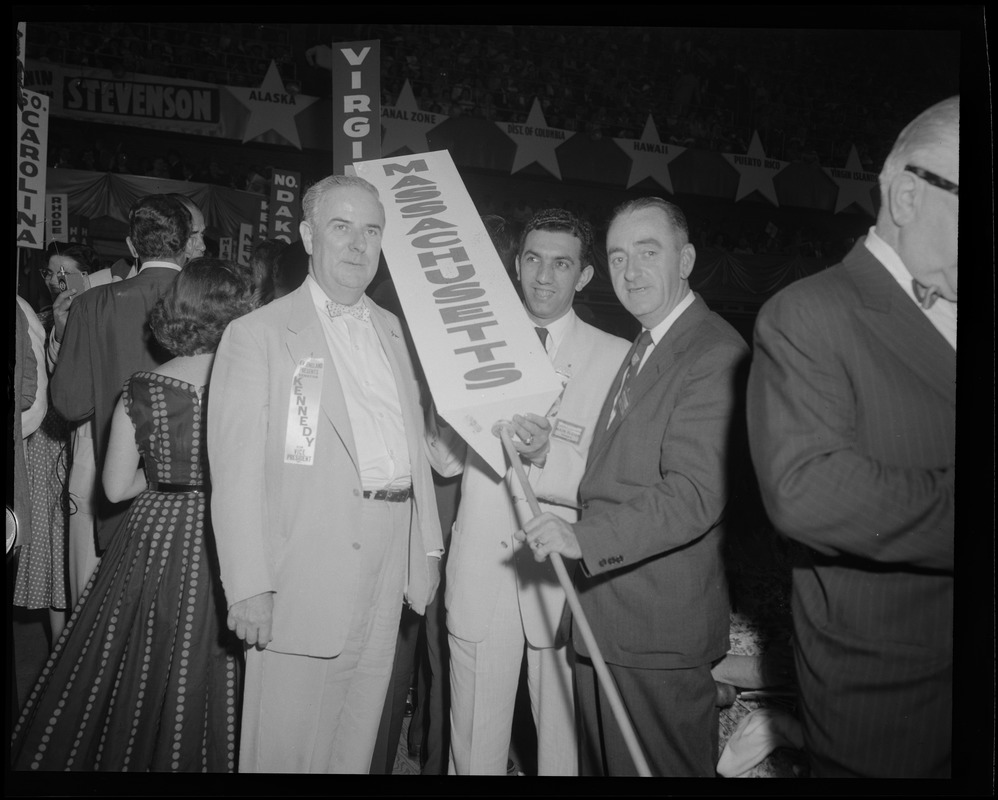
657 333
371 396
943 312
556 333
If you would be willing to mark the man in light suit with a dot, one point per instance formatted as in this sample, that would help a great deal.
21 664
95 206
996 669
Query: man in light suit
852 412
106 337
322 498
650 577
500 601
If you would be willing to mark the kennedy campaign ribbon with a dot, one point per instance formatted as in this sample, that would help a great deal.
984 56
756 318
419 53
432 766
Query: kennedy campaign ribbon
303 412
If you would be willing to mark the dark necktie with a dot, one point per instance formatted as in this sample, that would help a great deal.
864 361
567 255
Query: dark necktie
926 295
542 334
358 310
624 398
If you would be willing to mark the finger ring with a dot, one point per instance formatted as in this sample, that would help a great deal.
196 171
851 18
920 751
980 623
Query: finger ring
528 440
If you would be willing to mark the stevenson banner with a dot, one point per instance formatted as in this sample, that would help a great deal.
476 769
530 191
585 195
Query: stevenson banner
482 358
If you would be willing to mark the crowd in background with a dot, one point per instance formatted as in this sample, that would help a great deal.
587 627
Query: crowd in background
708 88
735 233
230 54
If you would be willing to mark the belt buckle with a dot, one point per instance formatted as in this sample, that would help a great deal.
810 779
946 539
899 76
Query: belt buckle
390 495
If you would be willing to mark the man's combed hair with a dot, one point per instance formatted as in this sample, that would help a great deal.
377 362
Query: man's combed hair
206 296
316 191
560 219
672 212
159 227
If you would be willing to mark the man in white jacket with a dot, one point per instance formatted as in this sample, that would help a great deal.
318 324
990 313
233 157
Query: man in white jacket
499 600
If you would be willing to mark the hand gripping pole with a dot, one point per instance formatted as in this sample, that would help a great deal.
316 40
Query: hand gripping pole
606 680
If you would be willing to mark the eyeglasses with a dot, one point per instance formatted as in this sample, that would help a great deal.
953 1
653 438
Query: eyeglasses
48 274
934 180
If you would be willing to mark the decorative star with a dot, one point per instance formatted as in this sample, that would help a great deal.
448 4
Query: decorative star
272 108
406 126
755 171
650 157
855 184
535 141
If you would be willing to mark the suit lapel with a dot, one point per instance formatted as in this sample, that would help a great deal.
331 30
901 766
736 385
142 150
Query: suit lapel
900 325
662 357
568 359
306 339
601 435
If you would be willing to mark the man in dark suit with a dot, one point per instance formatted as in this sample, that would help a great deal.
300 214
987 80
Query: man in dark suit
852 422
106 337
650 577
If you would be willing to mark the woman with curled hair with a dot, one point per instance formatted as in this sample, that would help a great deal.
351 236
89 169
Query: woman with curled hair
190 318
146 675
264 259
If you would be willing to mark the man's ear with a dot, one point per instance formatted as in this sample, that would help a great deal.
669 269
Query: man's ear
584 277
305 230
903 197
131 247
516 262
687 257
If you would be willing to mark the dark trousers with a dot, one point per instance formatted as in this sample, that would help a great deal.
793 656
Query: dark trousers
673 714
390 728
429 728
422 646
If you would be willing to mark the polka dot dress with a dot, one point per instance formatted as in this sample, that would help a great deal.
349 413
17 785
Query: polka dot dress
41 565
146 675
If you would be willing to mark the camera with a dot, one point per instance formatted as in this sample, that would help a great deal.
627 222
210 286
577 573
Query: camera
75 280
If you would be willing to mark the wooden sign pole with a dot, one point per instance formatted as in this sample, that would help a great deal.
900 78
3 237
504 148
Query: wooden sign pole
606 680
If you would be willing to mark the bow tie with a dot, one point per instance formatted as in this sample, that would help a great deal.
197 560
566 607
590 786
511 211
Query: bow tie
926 295
357 311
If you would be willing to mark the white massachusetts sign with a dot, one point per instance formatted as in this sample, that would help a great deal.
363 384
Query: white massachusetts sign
482 358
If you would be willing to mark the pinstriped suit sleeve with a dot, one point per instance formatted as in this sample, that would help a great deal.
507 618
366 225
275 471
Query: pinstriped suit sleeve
813 391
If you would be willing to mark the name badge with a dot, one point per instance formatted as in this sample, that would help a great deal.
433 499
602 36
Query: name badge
303 412
568 431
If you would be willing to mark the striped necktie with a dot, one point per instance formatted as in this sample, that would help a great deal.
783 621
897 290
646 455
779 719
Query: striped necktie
624 397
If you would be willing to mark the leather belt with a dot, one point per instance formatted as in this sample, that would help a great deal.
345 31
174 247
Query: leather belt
389 495
178 488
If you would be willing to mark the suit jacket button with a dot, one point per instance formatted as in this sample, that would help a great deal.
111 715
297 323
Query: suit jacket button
356 545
